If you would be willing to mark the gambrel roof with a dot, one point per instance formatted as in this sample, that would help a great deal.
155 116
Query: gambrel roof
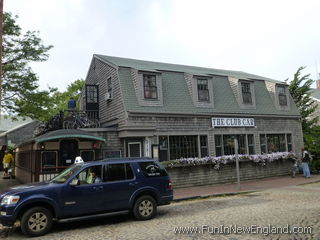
176 95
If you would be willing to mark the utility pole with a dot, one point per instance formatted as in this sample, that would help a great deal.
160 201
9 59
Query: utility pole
1 34
236 149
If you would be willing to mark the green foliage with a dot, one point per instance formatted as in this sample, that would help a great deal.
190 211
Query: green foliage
300 90
20 94
60 99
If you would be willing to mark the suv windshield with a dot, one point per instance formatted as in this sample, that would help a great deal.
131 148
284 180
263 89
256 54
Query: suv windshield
65 174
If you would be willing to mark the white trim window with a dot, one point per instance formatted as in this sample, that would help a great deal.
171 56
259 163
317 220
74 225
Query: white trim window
246 93
203 90
150 86
134 149
282 96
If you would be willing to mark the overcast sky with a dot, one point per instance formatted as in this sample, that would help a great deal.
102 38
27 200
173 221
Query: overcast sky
271 38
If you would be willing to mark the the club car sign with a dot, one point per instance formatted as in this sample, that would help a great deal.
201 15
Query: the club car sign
232 122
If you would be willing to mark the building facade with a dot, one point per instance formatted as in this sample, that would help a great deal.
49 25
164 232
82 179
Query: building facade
171 111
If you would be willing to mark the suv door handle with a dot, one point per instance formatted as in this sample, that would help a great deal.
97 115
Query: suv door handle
133 184
98 188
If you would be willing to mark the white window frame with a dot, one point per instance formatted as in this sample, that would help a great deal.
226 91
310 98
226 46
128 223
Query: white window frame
132 143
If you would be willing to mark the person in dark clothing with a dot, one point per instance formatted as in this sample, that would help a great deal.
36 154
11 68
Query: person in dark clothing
72 104
306 159
2 152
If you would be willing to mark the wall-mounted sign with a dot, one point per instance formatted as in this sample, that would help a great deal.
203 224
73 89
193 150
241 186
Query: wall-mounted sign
233 122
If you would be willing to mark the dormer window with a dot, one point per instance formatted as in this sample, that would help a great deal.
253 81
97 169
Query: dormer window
150 86
246 93
203 90
282 95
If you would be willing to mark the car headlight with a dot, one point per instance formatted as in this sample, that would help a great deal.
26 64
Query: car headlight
10 199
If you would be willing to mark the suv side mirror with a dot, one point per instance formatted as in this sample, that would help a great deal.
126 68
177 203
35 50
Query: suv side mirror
74 182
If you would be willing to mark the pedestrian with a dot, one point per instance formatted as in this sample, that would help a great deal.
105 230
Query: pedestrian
305 158
7 162
72 104
2 152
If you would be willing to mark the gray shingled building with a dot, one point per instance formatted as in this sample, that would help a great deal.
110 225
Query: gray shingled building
172 111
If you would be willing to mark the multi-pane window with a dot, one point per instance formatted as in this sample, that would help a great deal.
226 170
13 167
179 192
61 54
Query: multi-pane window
109 86
251 144
228 144
49 161
263 143
282 96
150 86
246 92
289 142
270 143
218 143
224 144
92 94
183 147
203 146
203 90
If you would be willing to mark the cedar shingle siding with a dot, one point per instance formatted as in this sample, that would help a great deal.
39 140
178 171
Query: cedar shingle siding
177 110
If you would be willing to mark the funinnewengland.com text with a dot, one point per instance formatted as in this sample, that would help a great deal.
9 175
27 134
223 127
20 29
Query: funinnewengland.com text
238 229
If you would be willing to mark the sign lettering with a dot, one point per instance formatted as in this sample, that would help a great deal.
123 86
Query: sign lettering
233 122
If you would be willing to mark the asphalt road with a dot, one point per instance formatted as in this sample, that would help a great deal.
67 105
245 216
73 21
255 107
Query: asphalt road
269 214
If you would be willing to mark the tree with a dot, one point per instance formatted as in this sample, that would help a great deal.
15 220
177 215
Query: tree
300 90
21 96
60 99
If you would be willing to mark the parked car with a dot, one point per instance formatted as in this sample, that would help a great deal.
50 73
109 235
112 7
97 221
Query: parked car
88 190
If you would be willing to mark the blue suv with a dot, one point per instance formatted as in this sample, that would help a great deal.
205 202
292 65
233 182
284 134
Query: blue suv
88 190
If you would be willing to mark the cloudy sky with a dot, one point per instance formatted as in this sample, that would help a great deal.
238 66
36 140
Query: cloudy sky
269 38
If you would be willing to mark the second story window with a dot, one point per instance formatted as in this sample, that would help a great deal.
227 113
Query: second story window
109 86
246 93
150 86
282 96
203 91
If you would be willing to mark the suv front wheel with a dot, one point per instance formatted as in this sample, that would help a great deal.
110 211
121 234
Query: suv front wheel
145 208
36 221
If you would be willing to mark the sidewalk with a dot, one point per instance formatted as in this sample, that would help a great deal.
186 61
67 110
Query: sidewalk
245 186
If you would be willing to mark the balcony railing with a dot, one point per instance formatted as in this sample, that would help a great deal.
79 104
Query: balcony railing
68 119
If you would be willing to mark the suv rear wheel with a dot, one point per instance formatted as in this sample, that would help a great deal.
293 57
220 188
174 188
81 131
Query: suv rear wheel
145 208
36 221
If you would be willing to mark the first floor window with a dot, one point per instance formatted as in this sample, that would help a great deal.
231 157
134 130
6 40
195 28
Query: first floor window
251 144
225 144
263 143
49 161
218 143
183 147
289 142
270 143
203 146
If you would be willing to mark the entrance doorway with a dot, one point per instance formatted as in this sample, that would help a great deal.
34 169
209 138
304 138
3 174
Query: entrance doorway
69 149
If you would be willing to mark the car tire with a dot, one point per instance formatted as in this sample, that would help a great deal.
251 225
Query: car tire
37 221
144 208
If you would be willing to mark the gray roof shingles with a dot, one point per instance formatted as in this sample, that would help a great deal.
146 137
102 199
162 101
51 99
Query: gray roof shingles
177 99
